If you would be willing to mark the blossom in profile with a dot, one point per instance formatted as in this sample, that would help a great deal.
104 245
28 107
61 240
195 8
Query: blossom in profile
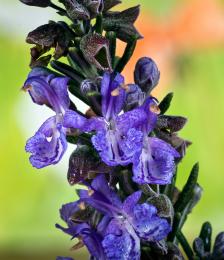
49 143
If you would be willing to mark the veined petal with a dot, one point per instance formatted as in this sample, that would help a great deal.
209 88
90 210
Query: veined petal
155 163
94 246
147 224
135 118
112 104
150 107
46 152
101 197
109 145
131 201
100 184
131 143
46 88
75 230
119 244
73 119
60 87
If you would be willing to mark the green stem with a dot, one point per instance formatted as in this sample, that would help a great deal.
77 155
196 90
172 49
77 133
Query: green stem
68 71
175 228
99 24
111 36
184 243
126 56
188 190
165 103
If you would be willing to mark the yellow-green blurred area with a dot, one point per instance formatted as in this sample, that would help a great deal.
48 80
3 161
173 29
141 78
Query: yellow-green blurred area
30 199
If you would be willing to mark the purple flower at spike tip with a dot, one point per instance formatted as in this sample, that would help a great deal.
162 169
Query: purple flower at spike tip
48 145
155 164
117 136
128 221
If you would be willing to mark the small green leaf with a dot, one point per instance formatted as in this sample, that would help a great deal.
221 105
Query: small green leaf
188 190
165 103
126 56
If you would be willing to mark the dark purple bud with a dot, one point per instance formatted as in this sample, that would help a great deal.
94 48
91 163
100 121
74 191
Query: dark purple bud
198 246
172 123
134 98
39 3
95 49
218 251
123 23
146 74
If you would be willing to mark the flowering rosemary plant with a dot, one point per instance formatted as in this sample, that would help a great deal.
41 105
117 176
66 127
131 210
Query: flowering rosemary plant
126 148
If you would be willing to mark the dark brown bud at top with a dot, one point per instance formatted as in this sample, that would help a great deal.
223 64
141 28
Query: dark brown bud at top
39 3
51 35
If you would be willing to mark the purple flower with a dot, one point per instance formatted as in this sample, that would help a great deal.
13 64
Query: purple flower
117 138
129 222
48 145
122 138
45 88
155 164
89 236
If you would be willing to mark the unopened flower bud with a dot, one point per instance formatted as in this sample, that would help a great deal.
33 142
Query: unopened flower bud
146 74
218 251
39 3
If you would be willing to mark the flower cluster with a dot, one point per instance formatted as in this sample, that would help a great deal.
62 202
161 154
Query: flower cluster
126 149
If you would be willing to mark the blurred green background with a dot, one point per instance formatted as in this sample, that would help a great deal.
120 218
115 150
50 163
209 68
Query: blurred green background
30 199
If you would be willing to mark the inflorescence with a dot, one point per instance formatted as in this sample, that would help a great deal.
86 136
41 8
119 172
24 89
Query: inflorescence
126 149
